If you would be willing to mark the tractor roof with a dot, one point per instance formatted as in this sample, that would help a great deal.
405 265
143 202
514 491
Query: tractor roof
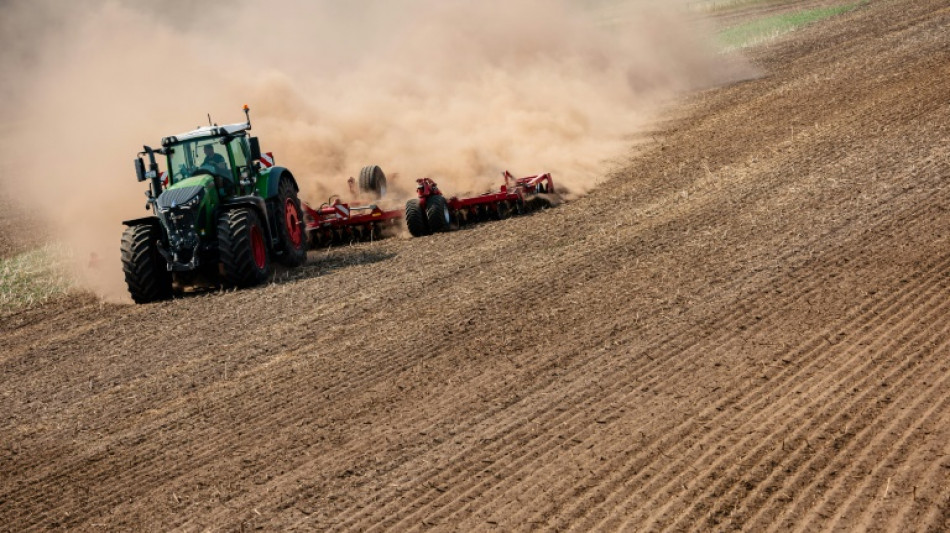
207 131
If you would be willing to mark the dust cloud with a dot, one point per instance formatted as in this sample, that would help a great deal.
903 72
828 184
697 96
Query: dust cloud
455 90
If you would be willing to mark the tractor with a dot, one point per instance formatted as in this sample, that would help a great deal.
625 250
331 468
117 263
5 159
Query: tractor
221 212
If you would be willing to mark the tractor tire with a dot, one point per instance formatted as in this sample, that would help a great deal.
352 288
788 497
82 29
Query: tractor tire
290 226
437 213
243 250
416 219
145 269
373 181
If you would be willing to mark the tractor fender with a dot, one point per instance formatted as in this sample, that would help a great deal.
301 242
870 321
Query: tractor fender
273 180
144 221
157 225
257 204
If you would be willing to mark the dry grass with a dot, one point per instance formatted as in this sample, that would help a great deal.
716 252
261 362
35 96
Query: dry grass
33 277
768 28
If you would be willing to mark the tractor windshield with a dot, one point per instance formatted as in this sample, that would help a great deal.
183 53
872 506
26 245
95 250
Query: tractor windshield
200 156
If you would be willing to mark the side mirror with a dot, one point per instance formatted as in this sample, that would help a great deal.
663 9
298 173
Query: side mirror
139 169
255 148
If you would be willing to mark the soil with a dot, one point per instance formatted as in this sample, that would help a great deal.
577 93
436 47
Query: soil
746 327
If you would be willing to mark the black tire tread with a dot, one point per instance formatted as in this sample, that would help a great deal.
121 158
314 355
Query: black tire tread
416 219
435 213
234 249
146 275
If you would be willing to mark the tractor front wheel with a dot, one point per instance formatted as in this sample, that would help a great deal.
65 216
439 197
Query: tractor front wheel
146 275
416 219
293 238
242 246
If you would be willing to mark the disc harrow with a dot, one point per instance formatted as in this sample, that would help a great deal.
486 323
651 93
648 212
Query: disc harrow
432 212
336 222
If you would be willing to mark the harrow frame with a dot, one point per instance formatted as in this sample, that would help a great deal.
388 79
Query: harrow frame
336 222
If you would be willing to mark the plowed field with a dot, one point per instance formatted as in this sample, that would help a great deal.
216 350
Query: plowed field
747 326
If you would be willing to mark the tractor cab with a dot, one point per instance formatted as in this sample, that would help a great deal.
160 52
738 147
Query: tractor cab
223 153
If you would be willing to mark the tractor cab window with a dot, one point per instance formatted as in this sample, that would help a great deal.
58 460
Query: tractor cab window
201 156
238 147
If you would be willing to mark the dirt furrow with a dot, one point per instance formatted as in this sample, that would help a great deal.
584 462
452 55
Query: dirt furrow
817 345
857 442
929 491
857 370
608 397
895 326
707 449
843 503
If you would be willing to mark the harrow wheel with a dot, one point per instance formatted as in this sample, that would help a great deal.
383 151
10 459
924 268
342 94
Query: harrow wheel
437 213
372 181
416 219
290 226
145 273
245 257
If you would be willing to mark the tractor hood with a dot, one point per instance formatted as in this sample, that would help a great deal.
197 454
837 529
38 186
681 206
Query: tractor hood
185 191
186 211
180 196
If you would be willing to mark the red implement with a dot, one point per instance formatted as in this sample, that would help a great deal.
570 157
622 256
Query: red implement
338 223
431 212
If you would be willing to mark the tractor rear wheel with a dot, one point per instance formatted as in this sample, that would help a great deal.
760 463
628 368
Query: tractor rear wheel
373 181
437 213
290 225
242 246
416 219
145 273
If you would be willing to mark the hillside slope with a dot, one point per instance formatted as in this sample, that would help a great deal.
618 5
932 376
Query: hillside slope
748 326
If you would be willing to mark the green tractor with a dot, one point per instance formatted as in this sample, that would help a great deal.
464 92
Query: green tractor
220 214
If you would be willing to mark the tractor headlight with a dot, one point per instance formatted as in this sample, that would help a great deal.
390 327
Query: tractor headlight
191 204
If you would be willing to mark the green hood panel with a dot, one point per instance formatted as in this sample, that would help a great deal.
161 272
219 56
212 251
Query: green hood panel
196 194
202 180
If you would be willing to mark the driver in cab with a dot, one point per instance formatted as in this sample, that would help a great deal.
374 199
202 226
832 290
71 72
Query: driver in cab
215 162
